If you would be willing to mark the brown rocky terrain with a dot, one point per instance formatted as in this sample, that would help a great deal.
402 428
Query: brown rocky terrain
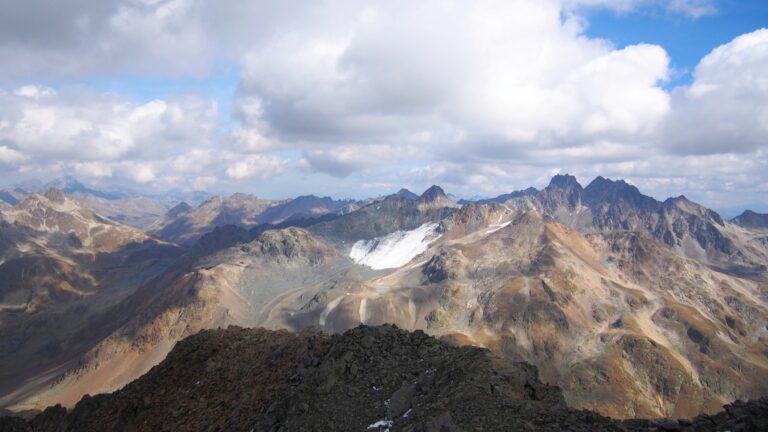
136 211
62 264
369 378
634 307
128 208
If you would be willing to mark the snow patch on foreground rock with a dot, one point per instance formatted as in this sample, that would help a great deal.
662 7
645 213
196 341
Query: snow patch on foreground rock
394 250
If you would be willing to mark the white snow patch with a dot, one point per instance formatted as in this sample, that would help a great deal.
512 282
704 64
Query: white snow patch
381 424
394 250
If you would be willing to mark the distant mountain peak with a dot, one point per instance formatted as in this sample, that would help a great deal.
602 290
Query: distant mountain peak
71 185
564 181
55 195
751 219
179 209
434 193
601 181
612 189
678 199
405 193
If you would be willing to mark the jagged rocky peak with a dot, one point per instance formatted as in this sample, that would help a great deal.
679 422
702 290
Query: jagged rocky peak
55 195
601 183
564 194
678 199
435 197
434 193
681 203
564 181
603 190
751 219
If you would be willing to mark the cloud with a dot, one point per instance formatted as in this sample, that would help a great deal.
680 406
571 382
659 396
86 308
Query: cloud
725 109
143 173
257 166
694 8
81 37
34 92
10 156
93 169
188 37
100 135
483 96
444 77
79 125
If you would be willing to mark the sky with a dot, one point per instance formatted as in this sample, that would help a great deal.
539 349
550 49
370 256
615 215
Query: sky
359 98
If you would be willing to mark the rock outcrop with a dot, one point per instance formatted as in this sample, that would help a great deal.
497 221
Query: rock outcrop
369 378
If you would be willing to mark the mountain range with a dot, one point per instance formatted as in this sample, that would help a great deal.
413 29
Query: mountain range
634 307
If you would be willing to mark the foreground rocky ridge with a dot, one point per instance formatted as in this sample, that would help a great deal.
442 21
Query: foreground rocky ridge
369 378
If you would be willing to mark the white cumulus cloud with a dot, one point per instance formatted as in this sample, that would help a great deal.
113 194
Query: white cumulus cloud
725 109
258 166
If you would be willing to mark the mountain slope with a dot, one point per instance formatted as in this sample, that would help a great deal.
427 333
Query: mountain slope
392 213
61 264
622 322
237 285
233 286
637 308
241 210
612 206
131 209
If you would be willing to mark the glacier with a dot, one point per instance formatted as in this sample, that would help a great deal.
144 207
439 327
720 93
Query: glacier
394 250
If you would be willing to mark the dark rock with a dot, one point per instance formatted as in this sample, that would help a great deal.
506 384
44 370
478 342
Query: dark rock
261 380
400 402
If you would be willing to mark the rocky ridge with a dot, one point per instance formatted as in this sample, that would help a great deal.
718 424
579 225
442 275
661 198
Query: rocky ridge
750 219
613 205
185 225
369 378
